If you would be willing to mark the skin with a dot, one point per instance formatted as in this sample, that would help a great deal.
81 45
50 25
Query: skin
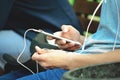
50 58
71 33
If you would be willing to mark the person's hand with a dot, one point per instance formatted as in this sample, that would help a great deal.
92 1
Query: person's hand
71 33
53 58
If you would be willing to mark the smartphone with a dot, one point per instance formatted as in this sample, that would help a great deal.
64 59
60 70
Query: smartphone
58 37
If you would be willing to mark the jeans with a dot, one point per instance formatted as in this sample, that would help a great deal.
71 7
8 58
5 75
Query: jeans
50 74
12 44
15 74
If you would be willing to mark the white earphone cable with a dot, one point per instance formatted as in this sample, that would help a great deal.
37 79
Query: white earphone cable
83 47
84 40
116 37
24 50
38 31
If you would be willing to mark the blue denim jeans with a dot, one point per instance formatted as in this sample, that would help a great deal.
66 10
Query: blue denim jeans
12 44
50 74
15 74
54 74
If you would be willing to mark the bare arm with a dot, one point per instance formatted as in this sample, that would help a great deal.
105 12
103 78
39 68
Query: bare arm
70 60
94 59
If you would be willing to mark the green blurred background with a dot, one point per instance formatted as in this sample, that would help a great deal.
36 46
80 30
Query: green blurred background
72 1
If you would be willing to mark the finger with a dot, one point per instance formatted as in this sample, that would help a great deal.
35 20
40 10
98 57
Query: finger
65 28
39 50
69 46
57 33
49 38
66 46
35 56
73 48
60 42
66 31
38 57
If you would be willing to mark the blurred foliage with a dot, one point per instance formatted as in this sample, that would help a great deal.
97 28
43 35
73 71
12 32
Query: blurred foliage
96 18
71 2
93 0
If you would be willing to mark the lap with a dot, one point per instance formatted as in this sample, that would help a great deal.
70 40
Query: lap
54 74
15 74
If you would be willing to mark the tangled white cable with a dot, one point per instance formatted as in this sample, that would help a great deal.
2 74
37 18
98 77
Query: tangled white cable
39 31
84 40
24 50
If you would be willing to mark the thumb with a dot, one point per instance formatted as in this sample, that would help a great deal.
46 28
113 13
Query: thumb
65 28
38 50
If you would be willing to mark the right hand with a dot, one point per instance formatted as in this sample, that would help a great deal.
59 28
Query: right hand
71 33
50 58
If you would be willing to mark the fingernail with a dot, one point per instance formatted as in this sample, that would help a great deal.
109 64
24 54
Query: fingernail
65 29
36 47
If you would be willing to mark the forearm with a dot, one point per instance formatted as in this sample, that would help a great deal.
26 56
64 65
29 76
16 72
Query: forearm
81 60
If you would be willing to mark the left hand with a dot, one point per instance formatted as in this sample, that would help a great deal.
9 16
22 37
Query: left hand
53 58
71 33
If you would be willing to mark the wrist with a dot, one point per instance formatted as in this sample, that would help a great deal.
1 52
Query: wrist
81 39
